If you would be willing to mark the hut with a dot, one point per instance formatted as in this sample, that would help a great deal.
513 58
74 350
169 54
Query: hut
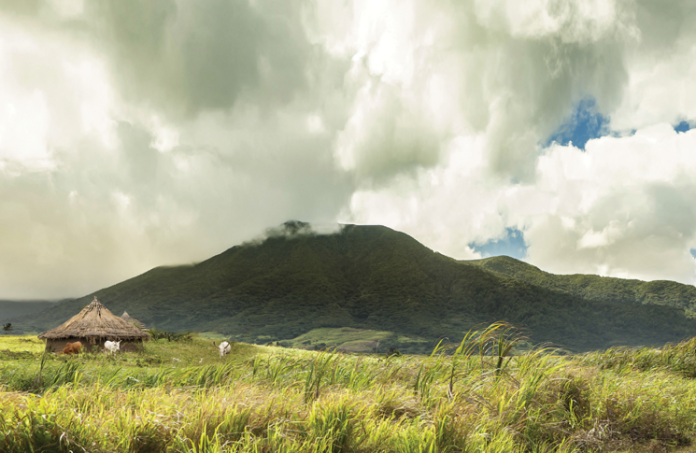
134 321
94 325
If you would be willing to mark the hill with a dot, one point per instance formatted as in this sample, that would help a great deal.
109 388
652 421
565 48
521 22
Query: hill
594 287
10 309
365 277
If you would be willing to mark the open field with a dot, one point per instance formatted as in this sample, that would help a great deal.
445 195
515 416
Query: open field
349 339
181 397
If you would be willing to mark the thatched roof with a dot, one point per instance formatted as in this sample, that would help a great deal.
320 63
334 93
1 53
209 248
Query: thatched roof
134 321
95 321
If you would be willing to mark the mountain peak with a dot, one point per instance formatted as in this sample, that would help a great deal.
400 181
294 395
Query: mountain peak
295 227
372 277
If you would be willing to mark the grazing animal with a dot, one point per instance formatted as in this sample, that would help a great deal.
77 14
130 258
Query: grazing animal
224 348
112 346
71 348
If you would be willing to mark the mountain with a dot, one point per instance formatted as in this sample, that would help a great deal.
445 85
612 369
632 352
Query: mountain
366 277
594 287
10 309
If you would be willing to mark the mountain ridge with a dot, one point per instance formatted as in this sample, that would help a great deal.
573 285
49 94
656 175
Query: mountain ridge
367 277
594 287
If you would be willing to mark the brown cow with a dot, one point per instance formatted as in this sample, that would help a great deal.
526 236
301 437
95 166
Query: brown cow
72 348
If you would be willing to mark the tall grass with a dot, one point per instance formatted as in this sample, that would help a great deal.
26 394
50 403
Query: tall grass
479 397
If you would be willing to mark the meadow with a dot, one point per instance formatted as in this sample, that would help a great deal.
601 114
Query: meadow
474 396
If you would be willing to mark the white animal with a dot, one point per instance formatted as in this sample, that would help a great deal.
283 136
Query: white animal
112 346
224 348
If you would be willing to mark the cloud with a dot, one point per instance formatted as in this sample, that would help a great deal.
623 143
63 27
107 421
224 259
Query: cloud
514 73
662 63
119 152
385 137
186 57
472 67
512 244
621 201
293 229
623 207
106 214
189 57
182 128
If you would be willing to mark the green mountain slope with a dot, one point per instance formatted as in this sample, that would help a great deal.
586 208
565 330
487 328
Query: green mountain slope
10 309
594 287
367 277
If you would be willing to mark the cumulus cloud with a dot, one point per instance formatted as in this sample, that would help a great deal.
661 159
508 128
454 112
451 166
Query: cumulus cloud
111 213
661 64
516 72
184 57
135 134
621 201
508 70
604 210
108 172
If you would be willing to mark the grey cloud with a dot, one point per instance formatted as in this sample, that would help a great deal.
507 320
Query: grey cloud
663 23
21 7
141 159
53 237
238 182
659 61
522 87
388 138
674 210
196 56
272 126
511 78
104 215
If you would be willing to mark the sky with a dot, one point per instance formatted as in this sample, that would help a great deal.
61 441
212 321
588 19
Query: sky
135 134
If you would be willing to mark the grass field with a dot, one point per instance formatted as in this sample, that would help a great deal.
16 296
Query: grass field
349 339
181 397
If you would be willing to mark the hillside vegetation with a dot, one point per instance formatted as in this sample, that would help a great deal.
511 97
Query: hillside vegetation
10 309
371 278
181 397
594 287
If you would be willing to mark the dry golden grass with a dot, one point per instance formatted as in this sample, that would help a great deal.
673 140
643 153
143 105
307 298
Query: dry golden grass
268 399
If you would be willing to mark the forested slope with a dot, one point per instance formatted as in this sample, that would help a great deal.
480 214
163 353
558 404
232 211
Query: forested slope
594 287
368 277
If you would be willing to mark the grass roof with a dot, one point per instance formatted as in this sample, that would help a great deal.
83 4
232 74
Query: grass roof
95 321
134 321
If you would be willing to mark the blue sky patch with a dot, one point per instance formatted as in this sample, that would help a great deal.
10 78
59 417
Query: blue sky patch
512 245
585 123
693 252
682 127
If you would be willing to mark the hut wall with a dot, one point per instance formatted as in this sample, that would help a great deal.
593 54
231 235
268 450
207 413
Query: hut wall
88 344
57 345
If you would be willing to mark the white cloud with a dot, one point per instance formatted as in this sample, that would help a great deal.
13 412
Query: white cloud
134 134
622 208
606 210
627 212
